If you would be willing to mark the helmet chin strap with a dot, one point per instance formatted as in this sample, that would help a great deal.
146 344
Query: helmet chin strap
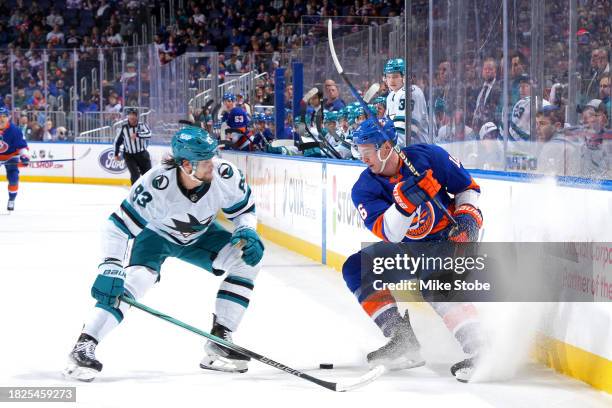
192 175
383 161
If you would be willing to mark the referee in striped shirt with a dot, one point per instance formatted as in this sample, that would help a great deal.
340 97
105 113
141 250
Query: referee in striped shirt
134 136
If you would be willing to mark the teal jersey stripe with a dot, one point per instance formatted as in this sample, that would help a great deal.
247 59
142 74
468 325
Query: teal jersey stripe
232 299
239 206
133 213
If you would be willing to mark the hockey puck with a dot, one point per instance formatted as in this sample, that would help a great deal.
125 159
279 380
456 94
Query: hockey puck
326 366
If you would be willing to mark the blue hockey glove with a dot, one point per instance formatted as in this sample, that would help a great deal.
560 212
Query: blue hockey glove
108 285
469 221
409 194
252 249
25 159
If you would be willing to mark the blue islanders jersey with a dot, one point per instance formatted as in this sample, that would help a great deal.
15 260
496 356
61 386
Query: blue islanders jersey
260 138
237 118
11 142
372 194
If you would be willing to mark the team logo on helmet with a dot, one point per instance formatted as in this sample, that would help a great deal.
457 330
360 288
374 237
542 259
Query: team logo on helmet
422 221
108 163
160 182
226 171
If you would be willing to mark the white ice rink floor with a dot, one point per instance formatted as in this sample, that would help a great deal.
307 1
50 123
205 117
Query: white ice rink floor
301 315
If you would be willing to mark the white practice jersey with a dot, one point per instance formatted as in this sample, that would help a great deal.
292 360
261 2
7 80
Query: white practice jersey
156 202
396 110
520 121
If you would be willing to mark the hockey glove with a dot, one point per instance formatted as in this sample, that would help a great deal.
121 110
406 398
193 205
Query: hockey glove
252 248
469 221
25 159
409 194
108 285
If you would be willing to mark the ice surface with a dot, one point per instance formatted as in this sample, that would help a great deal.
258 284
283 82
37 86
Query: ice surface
301 315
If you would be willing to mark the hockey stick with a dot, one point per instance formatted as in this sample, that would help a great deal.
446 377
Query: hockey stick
325 146
372 90
85 153
364 105
361 381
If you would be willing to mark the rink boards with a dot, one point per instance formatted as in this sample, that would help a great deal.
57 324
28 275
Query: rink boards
305 205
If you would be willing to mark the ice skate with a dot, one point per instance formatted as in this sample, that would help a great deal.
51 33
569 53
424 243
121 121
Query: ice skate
220 358
464 369
401 352
83 365
10 206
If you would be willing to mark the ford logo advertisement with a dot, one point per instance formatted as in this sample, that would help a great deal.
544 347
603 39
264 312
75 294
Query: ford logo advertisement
107 162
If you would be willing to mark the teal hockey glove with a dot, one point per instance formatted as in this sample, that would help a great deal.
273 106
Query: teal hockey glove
252 248
108 285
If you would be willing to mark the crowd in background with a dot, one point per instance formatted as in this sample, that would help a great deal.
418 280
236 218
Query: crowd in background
260 36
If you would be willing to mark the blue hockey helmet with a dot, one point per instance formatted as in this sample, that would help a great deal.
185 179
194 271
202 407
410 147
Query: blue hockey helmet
259 117
4 111
193 144
228 96
369 132
395 65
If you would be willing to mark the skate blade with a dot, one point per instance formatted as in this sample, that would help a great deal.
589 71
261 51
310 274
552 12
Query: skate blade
463 375
75 372
397 364
226 365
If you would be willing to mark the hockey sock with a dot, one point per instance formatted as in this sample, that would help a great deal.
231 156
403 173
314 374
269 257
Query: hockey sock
462 320
12 191
382 308
232 300
100 323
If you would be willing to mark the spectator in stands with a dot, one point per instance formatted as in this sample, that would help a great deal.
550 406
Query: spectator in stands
37 101
559 154
55 38
600 68
605 89
49 132
518 68
486 99
20 99
54 18
333 101
24 126
73 40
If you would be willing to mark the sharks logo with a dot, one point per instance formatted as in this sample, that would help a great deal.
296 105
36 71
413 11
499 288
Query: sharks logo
190 227
226 171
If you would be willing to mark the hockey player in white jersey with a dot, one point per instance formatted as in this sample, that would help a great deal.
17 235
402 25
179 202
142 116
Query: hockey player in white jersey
520 120
171 212
395 73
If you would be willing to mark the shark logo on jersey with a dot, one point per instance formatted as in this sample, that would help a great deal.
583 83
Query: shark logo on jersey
160 182
226 171
192 226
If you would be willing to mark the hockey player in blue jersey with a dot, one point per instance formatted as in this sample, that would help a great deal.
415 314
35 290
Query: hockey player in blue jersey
237 121
397 207
13 151
262 135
